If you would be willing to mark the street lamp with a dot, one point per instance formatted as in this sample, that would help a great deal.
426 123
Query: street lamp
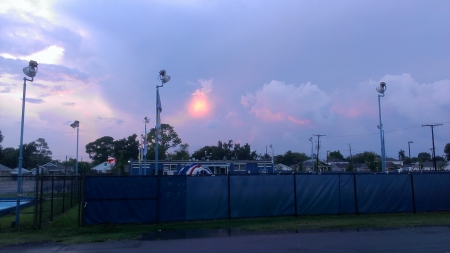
164 79
409 152
30 71
76 124
381 89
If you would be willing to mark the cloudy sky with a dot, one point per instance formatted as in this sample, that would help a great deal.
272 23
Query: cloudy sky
257 72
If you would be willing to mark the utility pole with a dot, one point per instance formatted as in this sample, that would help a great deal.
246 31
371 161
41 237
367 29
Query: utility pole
350 147
432 137
318 148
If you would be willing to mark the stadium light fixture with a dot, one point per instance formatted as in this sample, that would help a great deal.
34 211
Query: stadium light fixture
381 89
29 71
164 78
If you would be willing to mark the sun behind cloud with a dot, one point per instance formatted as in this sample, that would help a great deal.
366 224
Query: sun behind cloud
199 106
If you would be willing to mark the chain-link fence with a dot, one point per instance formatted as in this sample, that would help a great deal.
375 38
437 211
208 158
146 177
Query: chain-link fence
39 201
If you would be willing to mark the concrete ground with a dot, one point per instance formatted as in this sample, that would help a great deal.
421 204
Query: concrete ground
421 239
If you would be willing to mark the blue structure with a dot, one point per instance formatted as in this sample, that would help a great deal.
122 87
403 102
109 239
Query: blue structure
216 167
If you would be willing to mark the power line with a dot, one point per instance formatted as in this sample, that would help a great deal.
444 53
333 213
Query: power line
391 131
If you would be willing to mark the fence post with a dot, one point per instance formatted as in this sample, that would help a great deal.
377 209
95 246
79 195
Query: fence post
339 192
41 200
80 201
295 194
64 193
229 200
51 200
412 191
72 189
36 198
356 196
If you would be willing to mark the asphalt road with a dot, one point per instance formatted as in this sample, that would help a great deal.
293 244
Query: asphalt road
423 240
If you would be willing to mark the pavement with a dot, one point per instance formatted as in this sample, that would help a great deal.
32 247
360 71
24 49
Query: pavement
411 240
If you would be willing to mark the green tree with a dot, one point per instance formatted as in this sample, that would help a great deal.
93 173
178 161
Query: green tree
447 151
1 148
128 147
350 167
43 153
169 139
10 157
401 155
119 167
100 149
182 153
336 155
291 158
423 156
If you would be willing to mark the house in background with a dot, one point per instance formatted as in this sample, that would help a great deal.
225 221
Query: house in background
337 164
54 169
4 172
105 167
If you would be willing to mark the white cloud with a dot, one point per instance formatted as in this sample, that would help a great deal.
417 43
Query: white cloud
405 100
50 55
277 102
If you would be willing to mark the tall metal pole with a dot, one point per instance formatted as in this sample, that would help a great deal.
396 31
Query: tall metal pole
312 153
432 137
164 79
157 129
409 152
19 168
145 142
383 157
76 162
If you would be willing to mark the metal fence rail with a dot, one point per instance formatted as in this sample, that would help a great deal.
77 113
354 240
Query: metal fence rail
41 200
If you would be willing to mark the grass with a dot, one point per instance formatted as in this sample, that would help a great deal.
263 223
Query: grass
64 230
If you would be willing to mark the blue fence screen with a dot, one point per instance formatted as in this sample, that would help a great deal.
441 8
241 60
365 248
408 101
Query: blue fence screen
151 199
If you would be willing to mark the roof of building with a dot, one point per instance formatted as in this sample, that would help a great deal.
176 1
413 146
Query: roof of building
5 168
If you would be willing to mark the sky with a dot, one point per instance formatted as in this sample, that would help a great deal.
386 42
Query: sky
257 72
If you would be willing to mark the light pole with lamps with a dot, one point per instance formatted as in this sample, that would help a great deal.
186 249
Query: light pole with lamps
76 124
381 89
409 152
30 71
164 79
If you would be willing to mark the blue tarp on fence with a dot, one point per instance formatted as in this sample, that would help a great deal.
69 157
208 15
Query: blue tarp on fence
120 200
152 199
432 192
261 196
207 198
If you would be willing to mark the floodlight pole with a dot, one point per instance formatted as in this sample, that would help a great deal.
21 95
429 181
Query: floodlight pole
146 120
76 161
383 156
409 152
432 137
156 128
312 153
19 168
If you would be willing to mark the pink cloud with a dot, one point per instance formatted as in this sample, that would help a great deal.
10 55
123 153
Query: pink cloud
306 122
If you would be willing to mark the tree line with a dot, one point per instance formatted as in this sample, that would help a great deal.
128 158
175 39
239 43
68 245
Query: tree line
38 152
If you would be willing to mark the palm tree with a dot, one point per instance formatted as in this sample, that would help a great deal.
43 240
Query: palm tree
401 155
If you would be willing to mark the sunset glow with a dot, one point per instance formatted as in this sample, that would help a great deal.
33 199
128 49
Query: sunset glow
199 106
